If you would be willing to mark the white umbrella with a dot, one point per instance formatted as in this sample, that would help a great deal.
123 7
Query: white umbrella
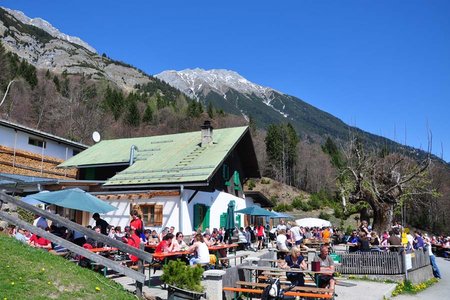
313 222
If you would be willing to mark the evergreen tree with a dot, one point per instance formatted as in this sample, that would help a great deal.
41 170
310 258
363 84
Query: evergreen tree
57 83
332 150
114 102
133 116
210 110
281 147
148 114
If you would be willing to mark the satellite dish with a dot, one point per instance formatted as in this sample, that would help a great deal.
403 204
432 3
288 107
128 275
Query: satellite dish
96 136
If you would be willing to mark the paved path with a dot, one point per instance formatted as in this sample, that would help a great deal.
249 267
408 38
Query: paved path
440 290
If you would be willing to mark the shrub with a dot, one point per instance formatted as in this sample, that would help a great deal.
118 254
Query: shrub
183 276
251 184
265 181
283 207
314 202
324 215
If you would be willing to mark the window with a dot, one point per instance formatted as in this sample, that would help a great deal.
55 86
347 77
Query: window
37 143
75 152
152 214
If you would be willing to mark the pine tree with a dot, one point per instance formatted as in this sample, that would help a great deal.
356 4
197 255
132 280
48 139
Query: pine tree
148 114
210 110
281 147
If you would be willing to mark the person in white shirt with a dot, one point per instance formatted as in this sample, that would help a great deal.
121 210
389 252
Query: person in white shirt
281 241
200 249
281 226
296 235
436 272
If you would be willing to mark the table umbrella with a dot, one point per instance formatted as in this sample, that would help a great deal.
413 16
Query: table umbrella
230 224
313 222
74 198
279 215
256 211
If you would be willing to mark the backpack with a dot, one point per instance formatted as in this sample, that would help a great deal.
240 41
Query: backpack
273 291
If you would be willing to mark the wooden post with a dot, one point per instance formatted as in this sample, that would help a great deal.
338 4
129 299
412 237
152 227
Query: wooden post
140 270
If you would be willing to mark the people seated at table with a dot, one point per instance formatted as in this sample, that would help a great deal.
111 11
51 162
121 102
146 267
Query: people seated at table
200 251
418 241
93 242
163 232
326 264
165 245
179 244
363 242
374 241
40 242
145 237
295 260
133 241
394 239
353 242
326 234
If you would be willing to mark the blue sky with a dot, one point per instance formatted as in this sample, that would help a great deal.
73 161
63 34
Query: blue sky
383 66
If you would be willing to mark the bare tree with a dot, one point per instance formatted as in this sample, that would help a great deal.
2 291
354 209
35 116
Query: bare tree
383 181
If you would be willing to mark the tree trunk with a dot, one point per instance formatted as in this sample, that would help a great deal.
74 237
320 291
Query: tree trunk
382 217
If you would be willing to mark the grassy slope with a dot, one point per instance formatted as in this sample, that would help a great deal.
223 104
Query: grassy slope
28 273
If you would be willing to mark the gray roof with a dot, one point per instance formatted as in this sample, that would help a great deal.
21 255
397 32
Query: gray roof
42 134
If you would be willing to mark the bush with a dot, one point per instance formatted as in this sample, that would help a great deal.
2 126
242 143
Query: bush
251 185
282 207
298 203
324 215
183 276
265 181
314 202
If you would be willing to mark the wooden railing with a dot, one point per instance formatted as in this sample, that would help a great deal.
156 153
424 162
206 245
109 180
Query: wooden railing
140 253
380 263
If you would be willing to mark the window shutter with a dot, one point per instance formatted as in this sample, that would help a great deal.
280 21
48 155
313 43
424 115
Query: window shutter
158 214
223 219
206 218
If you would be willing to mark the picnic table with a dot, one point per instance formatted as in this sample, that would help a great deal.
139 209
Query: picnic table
253 287
215 249
103 249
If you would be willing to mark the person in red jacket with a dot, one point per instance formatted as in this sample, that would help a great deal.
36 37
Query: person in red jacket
137 223
134 241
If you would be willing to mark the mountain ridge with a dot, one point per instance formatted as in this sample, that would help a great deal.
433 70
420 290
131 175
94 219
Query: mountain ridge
233 93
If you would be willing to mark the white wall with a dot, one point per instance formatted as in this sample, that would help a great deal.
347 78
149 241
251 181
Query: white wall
217 201
19 140
121 216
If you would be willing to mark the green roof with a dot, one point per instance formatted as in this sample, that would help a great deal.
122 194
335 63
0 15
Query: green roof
174 158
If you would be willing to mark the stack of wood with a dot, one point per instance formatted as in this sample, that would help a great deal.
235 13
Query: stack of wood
27 163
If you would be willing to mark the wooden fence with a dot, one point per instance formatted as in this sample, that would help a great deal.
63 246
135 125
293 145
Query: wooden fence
116 266
380 263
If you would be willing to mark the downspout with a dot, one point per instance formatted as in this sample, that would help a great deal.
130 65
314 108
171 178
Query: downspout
180 210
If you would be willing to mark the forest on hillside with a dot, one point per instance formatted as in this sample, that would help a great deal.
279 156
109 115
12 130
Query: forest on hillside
73 106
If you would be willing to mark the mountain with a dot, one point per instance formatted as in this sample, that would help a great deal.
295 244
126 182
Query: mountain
234 94
44 46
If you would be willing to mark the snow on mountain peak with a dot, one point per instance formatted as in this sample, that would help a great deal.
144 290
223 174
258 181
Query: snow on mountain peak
46 26
195 81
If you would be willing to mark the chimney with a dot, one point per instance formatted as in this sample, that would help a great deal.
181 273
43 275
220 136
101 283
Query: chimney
207 132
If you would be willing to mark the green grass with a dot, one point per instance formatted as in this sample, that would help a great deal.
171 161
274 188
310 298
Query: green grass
28 273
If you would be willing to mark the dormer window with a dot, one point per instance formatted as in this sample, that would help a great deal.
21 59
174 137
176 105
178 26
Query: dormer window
37 143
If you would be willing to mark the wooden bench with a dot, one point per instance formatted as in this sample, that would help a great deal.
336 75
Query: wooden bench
297 288
304 292
235 257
